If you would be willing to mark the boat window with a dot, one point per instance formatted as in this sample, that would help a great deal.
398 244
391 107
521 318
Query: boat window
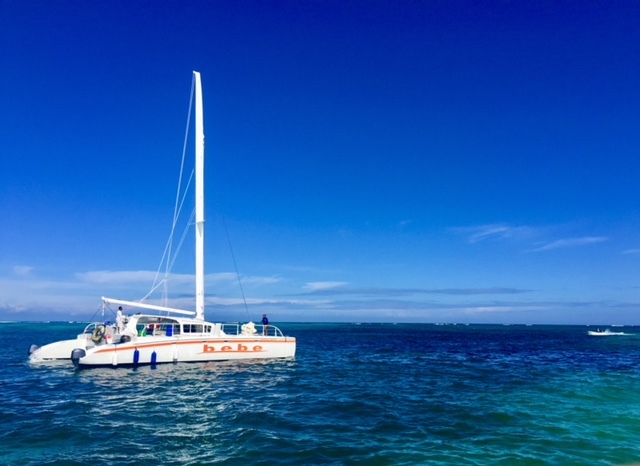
192 328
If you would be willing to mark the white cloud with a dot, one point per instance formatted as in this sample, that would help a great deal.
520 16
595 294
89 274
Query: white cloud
495 231
489 231
109 277
146 277
80 293
506 308
317 286
571 242
261 280
263 301
22 270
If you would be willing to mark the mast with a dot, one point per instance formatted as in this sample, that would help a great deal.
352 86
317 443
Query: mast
199 166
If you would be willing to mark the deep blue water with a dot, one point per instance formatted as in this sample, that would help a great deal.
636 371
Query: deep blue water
355 394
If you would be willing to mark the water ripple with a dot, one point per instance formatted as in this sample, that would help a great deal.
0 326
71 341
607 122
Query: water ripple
367 394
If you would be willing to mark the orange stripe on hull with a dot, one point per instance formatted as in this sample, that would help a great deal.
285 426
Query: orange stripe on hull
150 345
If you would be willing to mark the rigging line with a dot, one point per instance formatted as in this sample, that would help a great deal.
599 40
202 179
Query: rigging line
176 214
233 256
100 309
176 211
154 288
182 238
175 256
170 261
184 197
167 253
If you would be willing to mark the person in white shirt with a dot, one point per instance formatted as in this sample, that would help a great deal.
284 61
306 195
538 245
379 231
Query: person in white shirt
120 320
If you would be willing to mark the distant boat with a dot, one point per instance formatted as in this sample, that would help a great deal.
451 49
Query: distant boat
605 333
168 336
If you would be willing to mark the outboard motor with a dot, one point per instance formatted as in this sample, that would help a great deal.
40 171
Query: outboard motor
33 349
76 354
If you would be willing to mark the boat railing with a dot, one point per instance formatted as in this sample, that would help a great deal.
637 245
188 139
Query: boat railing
260 330
91 327
270 330
147 329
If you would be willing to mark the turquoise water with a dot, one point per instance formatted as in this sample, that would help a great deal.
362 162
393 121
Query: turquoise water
355 394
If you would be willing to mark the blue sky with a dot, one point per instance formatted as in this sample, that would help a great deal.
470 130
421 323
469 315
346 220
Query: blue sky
375 161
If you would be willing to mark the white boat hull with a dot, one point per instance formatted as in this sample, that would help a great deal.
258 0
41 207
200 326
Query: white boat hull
61 350
605 334
57 350
162 350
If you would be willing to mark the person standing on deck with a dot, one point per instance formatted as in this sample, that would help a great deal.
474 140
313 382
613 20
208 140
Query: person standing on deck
265 323
119 320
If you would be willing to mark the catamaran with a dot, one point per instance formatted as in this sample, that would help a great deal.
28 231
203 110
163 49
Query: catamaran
170 335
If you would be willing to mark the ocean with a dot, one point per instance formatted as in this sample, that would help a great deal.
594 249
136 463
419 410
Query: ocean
368 394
